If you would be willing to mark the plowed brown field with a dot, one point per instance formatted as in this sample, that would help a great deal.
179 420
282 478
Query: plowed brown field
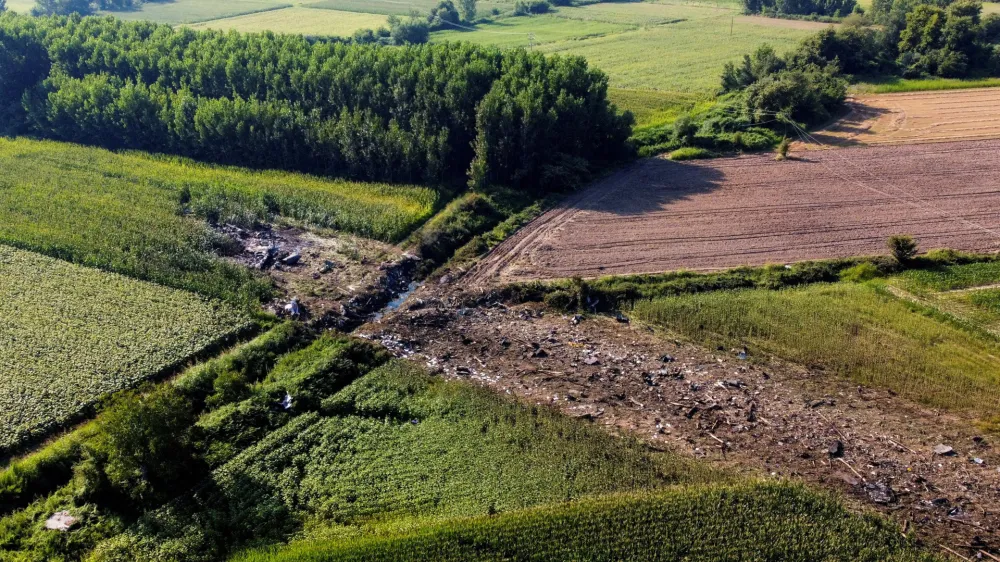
659 215
936 116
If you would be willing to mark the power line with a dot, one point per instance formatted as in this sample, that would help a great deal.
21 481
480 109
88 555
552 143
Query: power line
806 137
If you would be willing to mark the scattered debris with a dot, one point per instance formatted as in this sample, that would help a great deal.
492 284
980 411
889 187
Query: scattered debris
286 402
293 309
836 449
944 450
880 492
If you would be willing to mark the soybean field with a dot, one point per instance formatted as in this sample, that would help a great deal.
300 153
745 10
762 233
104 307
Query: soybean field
71 335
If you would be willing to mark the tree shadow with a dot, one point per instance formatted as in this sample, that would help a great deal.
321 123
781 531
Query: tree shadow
844 129
649 186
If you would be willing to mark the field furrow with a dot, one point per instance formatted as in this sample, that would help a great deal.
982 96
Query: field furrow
661 215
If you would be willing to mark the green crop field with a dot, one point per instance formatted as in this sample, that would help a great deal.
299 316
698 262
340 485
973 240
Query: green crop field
400 465
193 11
397 7
119 212
686 56
71 334
922 347
518 31
772 521
307 21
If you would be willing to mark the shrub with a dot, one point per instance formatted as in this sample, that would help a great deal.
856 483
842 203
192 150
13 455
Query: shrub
525 7
782 150
691 153
859 273
443 15
903 248
142 454
684 130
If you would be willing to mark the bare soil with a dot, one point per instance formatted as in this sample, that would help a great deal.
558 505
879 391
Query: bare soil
756 415
338 279
913 117
659 215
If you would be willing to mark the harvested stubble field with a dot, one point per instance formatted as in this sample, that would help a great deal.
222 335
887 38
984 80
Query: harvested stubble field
932 116
660 215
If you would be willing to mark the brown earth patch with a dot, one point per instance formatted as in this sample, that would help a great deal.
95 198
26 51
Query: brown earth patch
659 215
760 416
912 117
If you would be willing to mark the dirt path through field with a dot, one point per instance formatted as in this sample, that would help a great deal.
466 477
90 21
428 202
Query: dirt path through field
658 215
760 416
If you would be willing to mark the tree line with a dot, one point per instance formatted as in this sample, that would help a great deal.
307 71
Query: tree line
435 114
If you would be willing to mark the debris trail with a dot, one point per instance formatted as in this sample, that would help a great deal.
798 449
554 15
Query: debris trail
764 416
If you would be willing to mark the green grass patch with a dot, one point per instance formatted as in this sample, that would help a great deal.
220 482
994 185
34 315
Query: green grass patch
691 153
654 107
953 277
892 85
687 57
860 331
757 521
72 335
125 212
518 31
644 14
193 11
396 7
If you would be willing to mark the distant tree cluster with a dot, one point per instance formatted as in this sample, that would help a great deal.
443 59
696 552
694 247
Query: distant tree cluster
912 39
832 8
769 87
435 114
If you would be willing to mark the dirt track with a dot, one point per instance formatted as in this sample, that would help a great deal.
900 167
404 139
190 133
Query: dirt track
949 115
659 215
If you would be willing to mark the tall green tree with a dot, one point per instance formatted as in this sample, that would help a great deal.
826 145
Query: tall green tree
468 10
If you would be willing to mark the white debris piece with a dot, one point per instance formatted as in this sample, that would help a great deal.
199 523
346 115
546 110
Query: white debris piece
61 521
292 308
286 402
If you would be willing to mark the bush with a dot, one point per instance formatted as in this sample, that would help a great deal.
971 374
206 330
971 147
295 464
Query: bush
691 153
782 149
143 454
444 15
903 248
525 7
860 273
